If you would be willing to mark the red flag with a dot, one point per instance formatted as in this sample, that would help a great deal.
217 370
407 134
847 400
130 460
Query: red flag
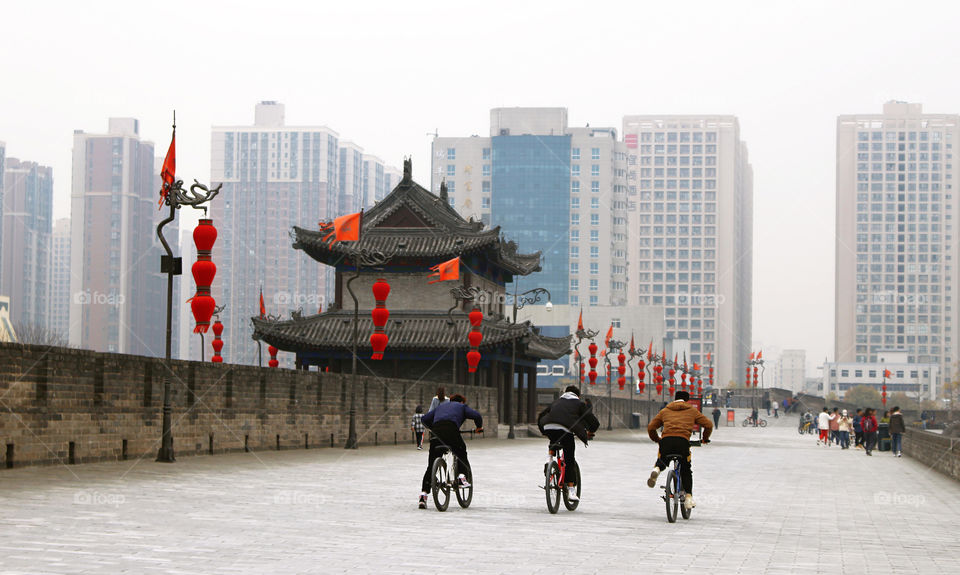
633 348
580 322
263 308
760 354
606 340
751 356
448 270
708 356
168 173
886 373
343 229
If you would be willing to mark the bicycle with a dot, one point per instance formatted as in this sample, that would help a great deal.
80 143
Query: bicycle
673 491
805 427
443 475
749 421
555 480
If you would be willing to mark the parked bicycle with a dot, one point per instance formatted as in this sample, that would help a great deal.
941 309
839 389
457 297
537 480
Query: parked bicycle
556 477
444 479
749 421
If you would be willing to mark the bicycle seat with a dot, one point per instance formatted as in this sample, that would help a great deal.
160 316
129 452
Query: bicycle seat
555 448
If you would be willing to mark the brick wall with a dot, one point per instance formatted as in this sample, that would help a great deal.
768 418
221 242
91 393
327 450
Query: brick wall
65 405
934 451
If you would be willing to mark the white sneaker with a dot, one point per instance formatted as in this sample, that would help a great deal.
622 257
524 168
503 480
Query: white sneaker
572 494
653 477
688 503
462 480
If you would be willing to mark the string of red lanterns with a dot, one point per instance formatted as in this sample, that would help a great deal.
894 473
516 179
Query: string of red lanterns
621 369
217 342
593 363
475 336
273 357
204 270
380 314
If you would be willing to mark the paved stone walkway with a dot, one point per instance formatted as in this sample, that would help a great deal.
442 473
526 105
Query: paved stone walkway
769 501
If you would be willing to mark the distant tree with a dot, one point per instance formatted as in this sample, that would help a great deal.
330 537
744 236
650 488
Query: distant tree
863 396
832 396
33 334
903 401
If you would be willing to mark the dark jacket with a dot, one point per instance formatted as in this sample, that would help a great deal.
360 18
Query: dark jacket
572 413
454 412
857 423
896 423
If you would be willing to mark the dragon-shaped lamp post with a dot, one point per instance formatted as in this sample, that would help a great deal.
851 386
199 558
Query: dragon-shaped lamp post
528 297
612 346
460 294
582 334
175 197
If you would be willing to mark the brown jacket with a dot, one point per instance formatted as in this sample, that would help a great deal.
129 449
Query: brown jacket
677 420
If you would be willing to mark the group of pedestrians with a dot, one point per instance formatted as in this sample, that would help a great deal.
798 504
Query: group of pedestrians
835 428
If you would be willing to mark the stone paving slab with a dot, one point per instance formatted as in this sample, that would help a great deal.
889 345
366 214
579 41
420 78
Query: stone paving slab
769 501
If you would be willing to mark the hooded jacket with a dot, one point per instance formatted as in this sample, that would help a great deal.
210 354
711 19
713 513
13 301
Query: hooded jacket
896 423
571 413
677 420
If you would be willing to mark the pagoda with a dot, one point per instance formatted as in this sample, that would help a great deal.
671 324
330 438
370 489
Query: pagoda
413 230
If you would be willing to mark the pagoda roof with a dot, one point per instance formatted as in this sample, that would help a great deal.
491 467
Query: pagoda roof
427 227
408 330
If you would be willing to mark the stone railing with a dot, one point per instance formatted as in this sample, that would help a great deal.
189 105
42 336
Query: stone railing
934 451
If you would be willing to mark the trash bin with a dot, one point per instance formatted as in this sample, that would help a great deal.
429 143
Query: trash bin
883 435
634 421
731 418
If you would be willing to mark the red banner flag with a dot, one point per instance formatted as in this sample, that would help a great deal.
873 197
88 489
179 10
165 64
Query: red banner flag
580 322
886 373
760 354
448 270
606 340
263 308
168 173
343 229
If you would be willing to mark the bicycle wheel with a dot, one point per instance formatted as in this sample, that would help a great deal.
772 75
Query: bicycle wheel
552 487
571 505
440 485
465 494
763 423
670 497
744 424
800 430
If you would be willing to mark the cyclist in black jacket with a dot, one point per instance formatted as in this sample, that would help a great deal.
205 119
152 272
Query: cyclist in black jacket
565 418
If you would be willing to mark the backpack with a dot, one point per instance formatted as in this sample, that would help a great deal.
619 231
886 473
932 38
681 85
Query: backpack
868 425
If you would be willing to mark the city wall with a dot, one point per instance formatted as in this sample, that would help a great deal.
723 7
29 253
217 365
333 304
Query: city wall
61 405
934 451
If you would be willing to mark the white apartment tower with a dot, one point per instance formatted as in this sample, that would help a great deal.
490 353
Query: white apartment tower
58 317
550 187
895 271
690 187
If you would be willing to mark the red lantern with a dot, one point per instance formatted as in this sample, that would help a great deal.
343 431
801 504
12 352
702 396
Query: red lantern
659 388
621 381
379 315
217 342
883 395
204 270
671 390
640 386
754 377
622 367
710 379
273 356
475 337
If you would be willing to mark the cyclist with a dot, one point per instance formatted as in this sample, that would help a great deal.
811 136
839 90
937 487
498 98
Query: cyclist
561 421
677 420
444 424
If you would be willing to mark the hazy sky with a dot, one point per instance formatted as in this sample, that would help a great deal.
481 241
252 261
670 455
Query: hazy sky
384 74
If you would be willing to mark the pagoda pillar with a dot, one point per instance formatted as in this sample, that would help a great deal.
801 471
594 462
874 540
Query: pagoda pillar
532 396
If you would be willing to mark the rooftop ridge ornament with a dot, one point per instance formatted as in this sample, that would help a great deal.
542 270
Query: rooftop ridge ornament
407 169
443 191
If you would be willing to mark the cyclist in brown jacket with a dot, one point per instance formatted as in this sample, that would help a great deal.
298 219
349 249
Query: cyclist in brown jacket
677 420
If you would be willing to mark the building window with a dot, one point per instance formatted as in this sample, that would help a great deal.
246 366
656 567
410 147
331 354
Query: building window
486 186
486 153
594 269
594 235
615 322
575 187
594 153
575 203
594 300
486 170
595 170
485 202
594 285
575 170
595 203
594 187
451 169
451 153
574 284
575 153
594 252
594 219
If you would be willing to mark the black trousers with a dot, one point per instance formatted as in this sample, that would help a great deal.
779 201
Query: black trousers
419 435
446 435
677 446
569 444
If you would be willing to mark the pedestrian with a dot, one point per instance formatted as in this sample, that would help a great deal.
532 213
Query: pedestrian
858 429
441 397
923 419
823 426
776 407
416 425
897 429
716 417
835 426
768 407
870 427
845 424
755 416
886 417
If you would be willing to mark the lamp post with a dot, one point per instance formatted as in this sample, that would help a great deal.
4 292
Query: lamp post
175 197
612 345
460 294
360 258
582 334
519 300
634 354
755 361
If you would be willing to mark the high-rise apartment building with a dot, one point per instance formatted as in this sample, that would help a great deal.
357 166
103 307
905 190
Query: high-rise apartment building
27 214
274 177
792 370
58 316
117 293
895 271
552 188
690 187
